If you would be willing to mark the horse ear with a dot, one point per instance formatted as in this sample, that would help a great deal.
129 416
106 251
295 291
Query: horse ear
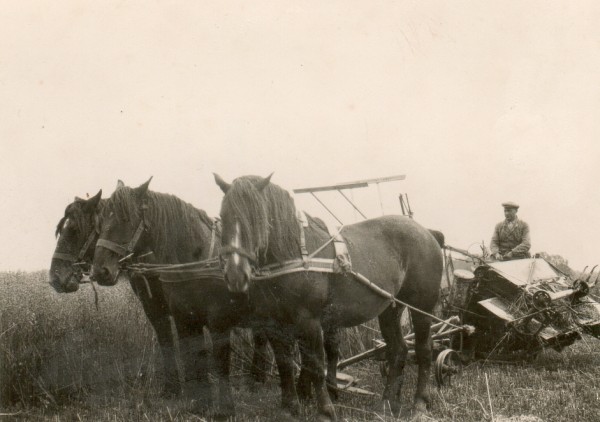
222 183
120 184
263 183
142 190
92 203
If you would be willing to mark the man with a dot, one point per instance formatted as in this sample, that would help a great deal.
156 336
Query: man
511 236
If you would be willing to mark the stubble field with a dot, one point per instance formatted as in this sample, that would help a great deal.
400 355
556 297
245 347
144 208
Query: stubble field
63 359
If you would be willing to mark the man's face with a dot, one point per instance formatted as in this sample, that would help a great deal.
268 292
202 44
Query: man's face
510 213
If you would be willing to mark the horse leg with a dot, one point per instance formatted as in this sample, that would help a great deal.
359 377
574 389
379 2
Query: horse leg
196 362
422 327
310 336
260 358
283 345
304 385
331 342
221 355
157 313
396 353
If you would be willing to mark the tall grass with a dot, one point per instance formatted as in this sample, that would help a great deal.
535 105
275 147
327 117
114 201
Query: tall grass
62 359
59 346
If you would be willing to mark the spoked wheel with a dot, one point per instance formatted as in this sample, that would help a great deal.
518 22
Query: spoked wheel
447 364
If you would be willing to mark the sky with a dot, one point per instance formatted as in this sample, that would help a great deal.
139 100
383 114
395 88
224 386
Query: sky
477 103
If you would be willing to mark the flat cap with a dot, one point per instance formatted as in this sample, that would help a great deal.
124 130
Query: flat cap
510 204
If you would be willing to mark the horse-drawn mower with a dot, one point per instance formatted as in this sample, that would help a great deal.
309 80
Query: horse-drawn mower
517 309
505 311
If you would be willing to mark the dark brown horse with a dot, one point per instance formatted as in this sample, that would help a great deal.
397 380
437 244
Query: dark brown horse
260 228
163 229
77 232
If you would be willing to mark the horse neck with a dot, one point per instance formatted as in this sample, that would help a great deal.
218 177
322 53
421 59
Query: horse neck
284 235
177 235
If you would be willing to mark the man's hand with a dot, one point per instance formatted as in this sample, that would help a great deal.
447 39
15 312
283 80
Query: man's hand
508 255
497 256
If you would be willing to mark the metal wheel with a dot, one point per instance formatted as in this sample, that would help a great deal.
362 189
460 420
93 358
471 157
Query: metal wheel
447 364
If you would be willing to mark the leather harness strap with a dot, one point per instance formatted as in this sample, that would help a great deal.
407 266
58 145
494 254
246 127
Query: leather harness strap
303 222
127 250
213 237
82 252
112 246
64 257
86 246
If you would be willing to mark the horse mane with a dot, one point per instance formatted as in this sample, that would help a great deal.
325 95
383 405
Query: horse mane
173 223
74 211
267 218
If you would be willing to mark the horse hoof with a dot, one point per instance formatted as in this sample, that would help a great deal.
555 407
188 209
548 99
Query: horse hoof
292 407
327 417
201 407
170 391
224 416
259 377
333 393
419 416
304 392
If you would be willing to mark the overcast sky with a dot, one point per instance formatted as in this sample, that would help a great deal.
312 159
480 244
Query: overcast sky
476 102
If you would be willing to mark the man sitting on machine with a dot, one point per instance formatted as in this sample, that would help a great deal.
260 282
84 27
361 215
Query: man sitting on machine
511 236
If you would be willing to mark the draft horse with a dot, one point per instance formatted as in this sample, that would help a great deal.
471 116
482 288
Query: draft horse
77 232
161 228
260 229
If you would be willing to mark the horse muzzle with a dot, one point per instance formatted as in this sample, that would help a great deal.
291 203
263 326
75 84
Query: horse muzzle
63 282
238 284
103 276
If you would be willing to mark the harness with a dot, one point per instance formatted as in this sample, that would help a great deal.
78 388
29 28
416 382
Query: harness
341 264
172 273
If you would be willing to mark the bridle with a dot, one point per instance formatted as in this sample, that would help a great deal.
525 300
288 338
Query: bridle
227 251
79 261
127 251
230 250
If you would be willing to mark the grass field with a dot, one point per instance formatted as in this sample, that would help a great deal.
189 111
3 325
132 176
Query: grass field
63 359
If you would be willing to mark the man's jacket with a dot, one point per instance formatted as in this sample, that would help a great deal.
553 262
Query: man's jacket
511 237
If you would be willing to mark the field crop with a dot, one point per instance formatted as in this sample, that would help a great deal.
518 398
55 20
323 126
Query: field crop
63 359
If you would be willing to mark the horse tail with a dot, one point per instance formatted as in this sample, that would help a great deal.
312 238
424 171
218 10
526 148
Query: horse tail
439 236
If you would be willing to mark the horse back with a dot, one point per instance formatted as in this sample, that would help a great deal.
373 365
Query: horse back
398 255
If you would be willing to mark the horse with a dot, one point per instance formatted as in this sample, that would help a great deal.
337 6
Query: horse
161 228
260 229
77 232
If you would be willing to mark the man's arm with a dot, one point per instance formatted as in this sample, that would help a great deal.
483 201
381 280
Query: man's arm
525 245
494 249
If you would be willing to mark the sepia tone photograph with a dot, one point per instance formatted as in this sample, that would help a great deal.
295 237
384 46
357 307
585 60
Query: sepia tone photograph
299 211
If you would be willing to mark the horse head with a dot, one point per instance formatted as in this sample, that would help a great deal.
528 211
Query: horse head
258 224
123 234
77 232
